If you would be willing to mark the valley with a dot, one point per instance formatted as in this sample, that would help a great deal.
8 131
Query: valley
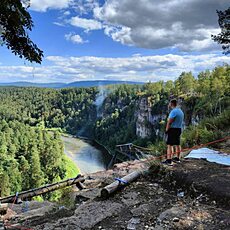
112 115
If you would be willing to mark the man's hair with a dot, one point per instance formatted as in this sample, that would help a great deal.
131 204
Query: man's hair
174 102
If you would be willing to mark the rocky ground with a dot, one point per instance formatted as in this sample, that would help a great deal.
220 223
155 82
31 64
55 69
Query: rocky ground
194 194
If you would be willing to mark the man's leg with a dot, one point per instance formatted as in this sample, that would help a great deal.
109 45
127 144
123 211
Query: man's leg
169 149
169 152
172 151
178 150
177 145
168 160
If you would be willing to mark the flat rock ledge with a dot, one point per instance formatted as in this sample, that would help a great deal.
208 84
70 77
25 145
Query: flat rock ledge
194 194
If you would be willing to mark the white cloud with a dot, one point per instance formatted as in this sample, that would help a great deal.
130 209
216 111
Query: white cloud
87 24
134 68
66 13
185 25
59 24
119 34
44 5
154 24
85 6
74 38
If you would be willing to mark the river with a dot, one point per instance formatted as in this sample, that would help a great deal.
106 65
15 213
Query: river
87 157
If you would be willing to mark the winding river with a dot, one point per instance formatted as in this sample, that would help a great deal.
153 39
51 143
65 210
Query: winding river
87 157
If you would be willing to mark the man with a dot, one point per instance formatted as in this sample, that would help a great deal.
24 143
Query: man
173 131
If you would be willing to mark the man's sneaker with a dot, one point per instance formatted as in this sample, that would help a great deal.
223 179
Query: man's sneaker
167 162
176 159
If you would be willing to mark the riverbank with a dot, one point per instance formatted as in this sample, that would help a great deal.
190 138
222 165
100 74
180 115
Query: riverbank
191 195
86 156
73 169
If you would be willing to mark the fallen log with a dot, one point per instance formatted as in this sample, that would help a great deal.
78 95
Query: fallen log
119 183
42 190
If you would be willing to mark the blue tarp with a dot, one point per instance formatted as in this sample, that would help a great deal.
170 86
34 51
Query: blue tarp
210 155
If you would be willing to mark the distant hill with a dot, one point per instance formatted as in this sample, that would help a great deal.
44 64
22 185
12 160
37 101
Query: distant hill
31 84
68 85
100 83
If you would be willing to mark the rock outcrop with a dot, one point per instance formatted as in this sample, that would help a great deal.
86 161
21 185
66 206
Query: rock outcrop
148 120
185 196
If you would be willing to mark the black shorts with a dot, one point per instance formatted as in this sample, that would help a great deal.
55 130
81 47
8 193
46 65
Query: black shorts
173 136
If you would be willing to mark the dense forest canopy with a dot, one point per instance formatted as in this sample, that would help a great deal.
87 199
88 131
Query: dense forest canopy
68 109
29 157
26 114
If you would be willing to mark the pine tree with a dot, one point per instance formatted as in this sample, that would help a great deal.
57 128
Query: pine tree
36 174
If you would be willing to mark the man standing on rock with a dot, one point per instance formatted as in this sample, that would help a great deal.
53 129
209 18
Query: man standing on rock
173 131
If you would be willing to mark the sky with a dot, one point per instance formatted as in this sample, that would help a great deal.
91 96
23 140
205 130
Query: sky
129 40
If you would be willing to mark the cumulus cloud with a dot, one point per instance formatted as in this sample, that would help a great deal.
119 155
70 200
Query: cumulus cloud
44 5
134 68
87 24
74 38
186 25
85 6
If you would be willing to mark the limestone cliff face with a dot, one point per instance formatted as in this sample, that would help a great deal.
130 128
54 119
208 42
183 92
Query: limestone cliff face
148 120
143 126
151 115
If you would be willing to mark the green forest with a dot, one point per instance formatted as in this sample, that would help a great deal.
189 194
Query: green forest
206 97
31 150
30 157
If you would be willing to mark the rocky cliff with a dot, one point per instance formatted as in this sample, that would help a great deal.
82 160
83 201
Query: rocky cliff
151 115
190 195
149 118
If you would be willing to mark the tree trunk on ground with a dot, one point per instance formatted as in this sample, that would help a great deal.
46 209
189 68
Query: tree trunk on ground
42 190
109 189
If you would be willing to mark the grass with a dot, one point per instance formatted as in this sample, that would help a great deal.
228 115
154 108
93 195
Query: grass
72 169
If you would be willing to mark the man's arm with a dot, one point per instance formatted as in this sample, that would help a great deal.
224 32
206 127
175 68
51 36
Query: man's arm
169 122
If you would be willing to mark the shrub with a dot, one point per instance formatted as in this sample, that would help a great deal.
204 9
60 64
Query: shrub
208 130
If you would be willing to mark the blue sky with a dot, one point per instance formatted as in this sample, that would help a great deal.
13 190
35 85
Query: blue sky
138 40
